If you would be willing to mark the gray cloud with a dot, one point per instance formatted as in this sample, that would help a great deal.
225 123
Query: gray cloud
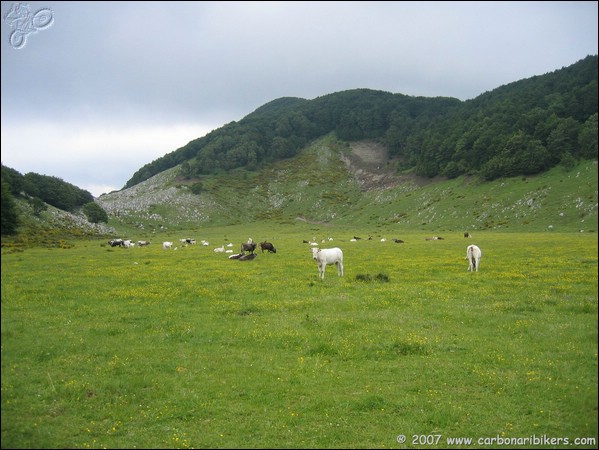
106 66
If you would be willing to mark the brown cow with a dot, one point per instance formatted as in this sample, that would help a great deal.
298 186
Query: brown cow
267 246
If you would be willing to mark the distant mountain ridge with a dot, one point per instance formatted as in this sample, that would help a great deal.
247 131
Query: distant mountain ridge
521 128
520 157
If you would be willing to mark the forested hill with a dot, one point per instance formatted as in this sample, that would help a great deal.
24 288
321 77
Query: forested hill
521 128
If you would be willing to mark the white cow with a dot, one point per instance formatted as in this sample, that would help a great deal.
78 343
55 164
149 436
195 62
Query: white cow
473 255
328 256
166 245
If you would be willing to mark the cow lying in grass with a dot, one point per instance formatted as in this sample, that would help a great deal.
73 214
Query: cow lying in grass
328 256
473 254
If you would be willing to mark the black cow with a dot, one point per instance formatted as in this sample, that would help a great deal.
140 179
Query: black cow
267 246
250 247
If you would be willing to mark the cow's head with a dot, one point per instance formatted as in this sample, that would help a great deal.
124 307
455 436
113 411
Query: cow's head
315 251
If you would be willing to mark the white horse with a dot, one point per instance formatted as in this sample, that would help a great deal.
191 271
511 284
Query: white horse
473 255
328 256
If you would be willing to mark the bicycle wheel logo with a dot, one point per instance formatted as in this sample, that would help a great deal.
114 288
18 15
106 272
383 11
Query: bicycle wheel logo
25 23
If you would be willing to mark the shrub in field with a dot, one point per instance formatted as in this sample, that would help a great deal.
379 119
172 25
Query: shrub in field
366 277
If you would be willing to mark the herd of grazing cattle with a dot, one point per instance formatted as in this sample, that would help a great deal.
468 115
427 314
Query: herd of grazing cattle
323 256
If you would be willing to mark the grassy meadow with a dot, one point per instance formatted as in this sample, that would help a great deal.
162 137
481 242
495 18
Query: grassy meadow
148 348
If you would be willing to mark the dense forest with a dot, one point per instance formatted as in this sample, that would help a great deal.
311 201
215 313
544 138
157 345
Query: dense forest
521 128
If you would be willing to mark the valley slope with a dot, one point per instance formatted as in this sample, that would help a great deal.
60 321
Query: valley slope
338 183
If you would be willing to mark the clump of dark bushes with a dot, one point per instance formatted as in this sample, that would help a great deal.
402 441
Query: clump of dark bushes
380 277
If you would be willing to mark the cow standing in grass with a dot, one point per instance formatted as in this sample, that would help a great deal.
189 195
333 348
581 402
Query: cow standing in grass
267 246
249 246
473 254
328 256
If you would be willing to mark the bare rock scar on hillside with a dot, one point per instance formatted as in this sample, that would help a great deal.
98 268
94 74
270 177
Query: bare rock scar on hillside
368 162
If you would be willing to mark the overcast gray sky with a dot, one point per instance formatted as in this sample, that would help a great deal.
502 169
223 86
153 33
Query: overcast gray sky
92 91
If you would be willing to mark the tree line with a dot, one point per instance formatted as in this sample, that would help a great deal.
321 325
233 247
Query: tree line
40 191
522 128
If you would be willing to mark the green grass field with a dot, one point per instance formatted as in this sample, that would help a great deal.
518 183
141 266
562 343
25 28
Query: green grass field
146 348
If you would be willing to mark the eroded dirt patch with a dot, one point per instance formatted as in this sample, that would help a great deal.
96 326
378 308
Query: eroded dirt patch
369 163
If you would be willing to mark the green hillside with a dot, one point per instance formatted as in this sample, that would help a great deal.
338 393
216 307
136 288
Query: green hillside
522 157
332 182
522 128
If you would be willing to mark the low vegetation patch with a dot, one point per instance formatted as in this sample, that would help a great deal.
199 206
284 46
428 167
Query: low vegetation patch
367 277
